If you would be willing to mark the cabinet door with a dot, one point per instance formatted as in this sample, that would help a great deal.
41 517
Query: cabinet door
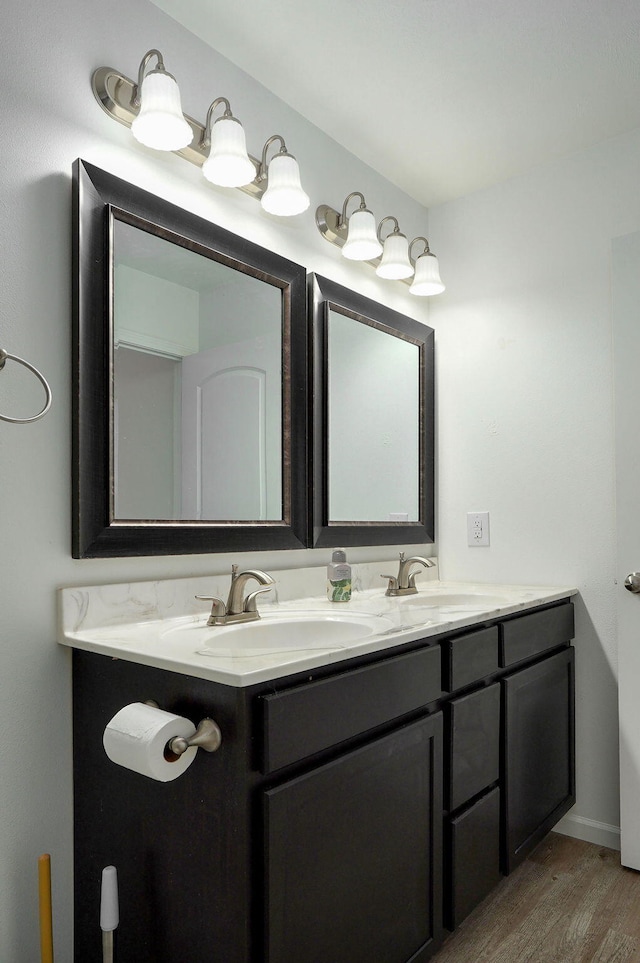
472 849
539 771
353 854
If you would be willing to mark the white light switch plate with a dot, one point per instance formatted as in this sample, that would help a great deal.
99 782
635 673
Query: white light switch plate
477 529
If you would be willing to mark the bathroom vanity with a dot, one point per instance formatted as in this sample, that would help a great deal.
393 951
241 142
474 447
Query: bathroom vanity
362 800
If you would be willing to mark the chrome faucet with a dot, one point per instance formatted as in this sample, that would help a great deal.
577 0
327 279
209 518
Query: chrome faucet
405 581
238 607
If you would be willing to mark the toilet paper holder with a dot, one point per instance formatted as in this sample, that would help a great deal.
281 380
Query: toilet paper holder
207 736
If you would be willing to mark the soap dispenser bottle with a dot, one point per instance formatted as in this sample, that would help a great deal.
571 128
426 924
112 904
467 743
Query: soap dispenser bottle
339 577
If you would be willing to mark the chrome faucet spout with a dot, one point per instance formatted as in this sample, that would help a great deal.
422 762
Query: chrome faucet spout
405 582
406 578
236 603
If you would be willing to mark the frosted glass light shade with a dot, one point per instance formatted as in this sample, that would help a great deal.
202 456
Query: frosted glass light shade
228 163
160 123
395 263
362 243
427 277
284 195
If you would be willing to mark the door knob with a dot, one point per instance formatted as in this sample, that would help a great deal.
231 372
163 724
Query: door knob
632 582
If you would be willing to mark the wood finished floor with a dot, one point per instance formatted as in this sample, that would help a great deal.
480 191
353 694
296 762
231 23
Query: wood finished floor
569 902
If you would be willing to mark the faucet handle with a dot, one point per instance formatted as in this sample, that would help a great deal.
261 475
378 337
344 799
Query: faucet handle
393 584
250 600
210 598
218 607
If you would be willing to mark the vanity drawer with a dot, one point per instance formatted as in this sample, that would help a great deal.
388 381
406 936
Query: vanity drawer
470 658
473 857
473 729
311 717
529 635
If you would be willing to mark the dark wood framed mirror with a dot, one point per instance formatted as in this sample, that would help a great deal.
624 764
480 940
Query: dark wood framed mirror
373 421
190 381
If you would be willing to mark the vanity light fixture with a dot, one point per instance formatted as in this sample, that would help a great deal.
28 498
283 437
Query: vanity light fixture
160 122
359 240
284 195
395 263
152 109
362 242
427 279
228 163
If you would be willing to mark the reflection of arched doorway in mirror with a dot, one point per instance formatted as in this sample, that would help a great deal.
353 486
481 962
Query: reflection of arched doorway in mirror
231 430
199 437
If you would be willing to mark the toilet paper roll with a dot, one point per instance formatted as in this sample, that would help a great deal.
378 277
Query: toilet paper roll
136 738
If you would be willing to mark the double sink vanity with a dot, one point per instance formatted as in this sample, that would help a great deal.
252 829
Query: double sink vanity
383 763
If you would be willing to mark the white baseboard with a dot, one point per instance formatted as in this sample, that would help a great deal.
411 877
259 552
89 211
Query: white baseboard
592 831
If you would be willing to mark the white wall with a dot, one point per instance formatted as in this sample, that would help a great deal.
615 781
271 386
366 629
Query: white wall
49 118
525 423
154 313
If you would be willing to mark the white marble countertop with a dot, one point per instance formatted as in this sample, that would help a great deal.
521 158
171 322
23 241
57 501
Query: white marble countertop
159 623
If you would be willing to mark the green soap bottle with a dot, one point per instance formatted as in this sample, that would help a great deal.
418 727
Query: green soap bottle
339 577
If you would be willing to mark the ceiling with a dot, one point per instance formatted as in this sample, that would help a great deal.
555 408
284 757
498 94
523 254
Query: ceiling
442 97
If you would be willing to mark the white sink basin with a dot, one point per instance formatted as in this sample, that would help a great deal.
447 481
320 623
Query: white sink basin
285 632
466 601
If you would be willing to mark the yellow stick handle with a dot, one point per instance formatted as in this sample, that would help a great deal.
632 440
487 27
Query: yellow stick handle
46 920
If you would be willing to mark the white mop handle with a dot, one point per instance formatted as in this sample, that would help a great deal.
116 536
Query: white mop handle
109 914
109 911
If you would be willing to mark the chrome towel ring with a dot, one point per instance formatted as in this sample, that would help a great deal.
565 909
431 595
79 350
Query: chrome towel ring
4 357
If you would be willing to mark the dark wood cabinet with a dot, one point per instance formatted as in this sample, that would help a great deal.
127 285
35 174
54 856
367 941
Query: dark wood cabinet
509 748
538 777
349 812
353 854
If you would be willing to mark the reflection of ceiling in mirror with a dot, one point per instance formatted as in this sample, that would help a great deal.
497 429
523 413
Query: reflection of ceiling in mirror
154 255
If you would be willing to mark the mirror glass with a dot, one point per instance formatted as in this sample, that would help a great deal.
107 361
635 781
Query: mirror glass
373 413
373 422
197 369
190 381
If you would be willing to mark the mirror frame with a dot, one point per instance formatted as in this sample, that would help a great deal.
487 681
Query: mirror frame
97 196
324 295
